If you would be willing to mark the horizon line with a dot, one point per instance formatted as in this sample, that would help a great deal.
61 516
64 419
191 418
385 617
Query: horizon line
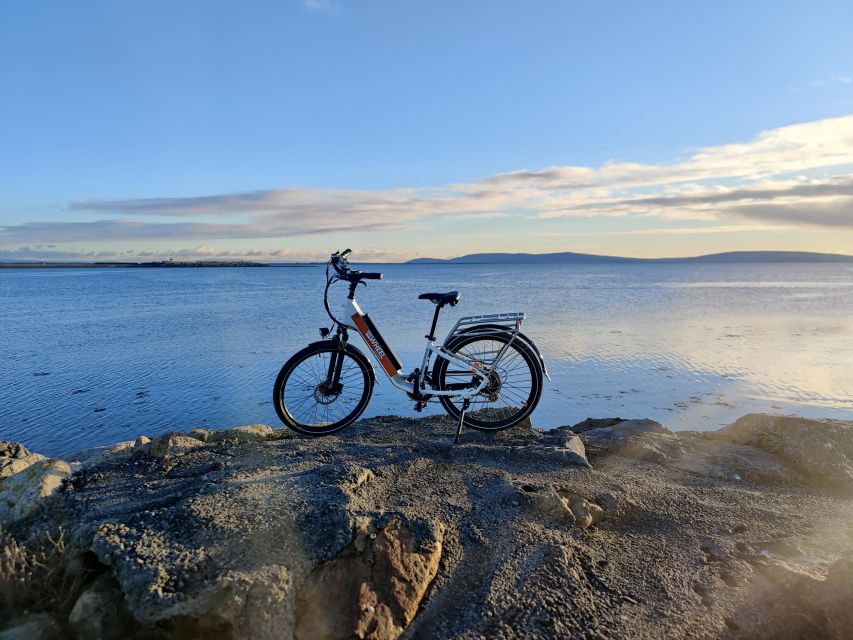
427 260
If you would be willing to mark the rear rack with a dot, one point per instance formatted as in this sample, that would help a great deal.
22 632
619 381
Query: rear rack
507 322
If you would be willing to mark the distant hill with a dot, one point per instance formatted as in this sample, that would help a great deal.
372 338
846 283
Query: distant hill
568 257
525 258
769 256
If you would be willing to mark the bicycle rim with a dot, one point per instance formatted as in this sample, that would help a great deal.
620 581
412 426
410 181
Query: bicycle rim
304 401
514 388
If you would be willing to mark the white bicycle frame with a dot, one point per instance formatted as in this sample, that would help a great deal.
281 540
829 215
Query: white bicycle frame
415 387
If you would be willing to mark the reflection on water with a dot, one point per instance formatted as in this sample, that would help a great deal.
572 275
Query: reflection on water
94 356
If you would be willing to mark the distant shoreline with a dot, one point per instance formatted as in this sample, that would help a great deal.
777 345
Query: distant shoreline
506 259
143 265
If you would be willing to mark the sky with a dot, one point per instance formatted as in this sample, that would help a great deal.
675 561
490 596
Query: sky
283 130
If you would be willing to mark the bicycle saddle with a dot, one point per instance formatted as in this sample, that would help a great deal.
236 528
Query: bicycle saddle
441 299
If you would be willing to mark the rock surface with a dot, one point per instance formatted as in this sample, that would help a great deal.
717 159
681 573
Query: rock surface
99 613
15 457
376 582
732 453
24 491
237 435
822 450
385 530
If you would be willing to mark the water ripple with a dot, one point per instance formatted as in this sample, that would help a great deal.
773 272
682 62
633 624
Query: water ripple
90 357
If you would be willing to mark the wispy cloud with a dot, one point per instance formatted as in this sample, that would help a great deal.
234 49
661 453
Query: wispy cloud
682 231
795 175
831 79
323 6
678 231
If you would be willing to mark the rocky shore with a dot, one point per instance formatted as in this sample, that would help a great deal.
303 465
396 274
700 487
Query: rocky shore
606 529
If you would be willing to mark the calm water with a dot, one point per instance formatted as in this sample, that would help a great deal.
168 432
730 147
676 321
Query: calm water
93 356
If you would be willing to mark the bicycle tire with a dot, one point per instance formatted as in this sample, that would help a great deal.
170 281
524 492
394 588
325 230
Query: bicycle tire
475 417
356 368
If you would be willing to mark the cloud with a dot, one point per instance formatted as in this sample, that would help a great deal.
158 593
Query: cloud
740 228
836 187
322 6
826 203
831 79
824 214
125 230
797 175
680 231
482 216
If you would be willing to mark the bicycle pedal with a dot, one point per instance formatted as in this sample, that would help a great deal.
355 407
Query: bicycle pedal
419 406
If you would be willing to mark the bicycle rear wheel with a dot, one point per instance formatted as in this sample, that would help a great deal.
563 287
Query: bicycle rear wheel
515 384
307 404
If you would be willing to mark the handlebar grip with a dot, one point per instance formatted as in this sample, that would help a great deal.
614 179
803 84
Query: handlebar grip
371 276
345 253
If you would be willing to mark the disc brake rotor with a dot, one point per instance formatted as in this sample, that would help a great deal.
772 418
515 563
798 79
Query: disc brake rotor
322 394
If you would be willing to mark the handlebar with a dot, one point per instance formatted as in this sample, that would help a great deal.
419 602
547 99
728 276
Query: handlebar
341 265
338 261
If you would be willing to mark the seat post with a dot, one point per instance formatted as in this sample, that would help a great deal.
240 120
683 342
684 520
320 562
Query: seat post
431 335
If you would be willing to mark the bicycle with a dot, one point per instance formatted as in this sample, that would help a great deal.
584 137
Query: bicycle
486 373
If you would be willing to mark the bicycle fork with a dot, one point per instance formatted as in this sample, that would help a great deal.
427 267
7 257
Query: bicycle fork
336 362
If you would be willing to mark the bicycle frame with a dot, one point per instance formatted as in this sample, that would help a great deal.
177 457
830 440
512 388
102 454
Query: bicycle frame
414 385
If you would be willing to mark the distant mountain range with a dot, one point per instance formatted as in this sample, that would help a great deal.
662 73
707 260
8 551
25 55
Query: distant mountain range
567 257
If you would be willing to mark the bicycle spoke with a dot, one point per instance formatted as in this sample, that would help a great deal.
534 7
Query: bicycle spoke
307 396
511 384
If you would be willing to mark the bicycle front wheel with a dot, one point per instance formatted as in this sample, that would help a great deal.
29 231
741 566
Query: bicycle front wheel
514 387
306 402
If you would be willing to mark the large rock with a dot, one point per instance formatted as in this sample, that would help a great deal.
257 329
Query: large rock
790 602
15 457
100 613
12 450
376 583
238 435
560 445
38 626
23 492
834 599
822 450
98 455
649 441
266 540
639 439
169 445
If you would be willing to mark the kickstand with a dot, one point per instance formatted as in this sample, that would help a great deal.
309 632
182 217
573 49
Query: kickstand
465 406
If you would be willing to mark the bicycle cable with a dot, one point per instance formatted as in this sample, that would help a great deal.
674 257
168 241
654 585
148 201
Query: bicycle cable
330 280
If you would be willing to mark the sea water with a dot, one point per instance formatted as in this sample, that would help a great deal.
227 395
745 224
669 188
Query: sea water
94 356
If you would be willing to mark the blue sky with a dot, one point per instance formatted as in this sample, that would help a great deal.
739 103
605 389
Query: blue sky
286 129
